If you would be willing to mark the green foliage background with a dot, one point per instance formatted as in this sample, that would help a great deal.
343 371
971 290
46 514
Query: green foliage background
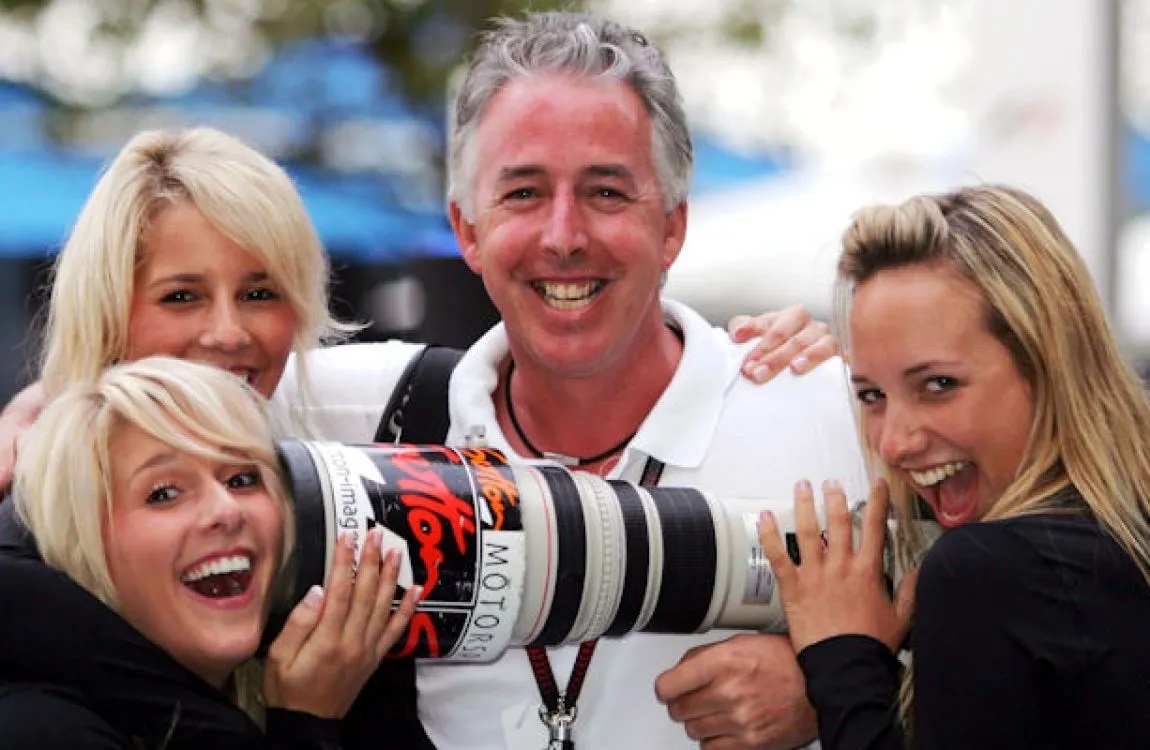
421 40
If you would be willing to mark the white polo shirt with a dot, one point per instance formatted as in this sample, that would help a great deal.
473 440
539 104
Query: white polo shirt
347 388
713 430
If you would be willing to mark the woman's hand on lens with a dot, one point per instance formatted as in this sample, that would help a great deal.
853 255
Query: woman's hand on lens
334 640
837 590
787 338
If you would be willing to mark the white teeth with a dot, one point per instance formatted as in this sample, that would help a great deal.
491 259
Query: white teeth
937 474
218 566
568 296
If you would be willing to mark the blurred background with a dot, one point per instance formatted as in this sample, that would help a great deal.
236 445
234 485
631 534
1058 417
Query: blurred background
802 110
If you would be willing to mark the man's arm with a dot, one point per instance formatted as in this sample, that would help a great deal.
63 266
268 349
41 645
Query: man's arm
744 692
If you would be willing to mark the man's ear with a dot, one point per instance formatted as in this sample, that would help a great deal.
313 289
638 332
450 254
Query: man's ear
465 236
676 233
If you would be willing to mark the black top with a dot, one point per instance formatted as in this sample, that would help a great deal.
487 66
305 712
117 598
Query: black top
1029 633
42 716
73 669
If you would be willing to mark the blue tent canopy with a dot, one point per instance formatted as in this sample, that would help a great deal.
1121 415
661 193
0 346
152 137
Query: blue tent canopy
41 193
718 166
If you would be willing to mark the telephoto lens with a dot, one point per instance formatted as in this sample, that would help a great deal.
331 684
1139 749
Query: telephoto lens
517 554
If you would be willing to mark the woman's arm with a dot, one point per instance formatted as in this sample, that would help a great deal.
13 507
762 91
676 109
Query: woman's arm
36 716
17 416
840 618
334 640
982 592
790 337
54 631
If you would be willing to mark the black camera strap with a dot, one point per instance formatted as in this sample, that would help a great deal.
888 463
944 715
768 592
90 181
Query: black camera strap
417 411
558 710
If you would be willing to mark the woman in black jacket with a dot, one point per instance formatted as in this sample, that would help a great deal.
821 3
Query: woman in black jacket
156 489
992 390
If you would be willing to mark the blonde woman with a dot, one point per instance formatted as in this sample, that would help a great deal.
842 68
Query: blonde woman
156 489
992 389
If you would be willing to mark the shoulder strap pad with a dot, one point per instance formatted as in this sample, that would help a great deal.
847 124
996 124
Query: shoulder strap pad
417 412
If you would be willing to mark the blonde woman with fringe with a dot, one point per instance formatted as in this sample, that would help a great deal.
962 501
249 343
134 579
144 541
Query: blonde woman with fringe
156 488
992 390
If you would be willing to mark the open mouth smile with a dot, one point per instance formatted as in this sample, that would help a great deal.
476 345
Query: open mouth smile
221 577
568 296
931 477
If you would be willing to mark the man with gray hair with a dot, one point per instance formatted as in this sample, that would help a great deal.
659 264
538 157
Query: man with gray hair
570 159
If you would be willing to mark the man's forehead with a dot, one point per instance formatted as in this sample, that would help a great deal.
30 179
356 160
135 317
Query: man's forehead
547 123
514 172
535 102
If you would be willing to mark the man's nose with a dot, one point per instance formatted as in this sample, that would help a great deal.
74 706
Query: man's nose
565 234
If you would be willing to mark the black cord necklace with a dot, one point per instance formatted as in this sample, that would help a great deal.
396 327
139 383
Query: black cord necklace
540 454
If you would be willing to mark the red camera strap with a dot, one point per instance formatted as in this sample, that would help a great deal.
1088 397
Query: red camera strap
558 710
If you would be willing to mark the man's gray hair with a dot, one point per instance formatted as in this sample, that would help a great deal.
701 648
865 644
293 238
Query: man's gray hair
577 44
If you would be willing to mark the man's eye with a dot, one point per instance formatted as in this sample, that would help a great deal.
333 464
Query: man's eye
869 396
164 493
519 194
244 479
178 296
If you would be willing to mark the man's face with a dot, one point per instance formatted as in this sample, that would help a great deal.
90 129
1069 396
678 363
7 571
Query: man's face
569 232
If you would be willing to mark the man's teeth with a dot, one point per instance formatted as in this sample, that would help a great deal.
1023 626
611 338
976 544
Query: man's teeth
217 567
568 296
937 474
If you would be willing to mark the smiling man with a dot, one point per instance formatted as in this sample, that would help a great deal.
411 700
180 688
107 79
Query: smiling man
570 160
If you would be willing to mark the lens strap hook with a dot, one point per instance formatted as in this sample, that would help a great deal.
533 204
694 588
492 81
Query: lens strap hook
559 726
558 710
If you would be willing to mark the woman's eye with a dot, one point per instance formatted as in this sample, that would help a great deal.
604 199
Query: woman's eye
178 296
262 294
940 384
868 396
244 479
164 493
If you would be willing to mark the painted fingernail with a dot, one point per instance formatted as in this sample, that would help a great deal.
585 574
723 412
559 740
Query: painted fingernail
347 539
313 597
803 485
800 363
418 592
761 372
832 485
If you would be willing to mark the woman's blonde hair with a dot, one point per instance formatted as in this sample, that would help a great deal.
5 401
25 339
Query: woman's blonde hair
1091 418
63 474
243 194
